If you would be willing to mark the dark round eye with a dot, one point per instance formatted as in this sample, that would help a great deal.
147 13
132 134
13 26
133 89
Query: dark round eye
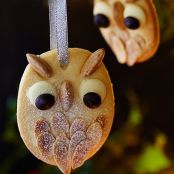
131 23
44 101
92 100
101 20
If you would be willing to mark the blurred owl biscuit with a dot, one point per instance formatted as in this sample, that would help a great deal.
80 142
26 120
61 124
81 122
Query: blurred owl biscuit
132 29
62 121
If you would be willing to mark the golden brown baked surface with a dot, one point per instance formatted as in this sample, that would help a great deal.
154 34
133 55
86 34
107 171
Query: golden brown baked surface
58 118
131 28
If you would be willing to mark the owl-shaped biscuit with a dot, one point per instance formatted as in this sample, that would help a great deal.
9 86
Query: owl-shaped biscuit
65 114
130 27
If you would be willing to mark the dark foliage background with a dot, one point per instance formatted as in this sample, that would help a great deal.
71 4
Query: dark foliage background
142 137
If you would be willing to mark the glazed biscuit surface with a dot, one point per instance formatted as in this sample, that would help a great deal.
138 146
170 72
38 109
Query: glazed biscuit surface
130 27
65 118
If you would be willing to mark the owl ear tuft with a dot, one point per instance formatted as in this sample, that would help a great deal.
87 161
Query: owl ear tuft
39 65
93 62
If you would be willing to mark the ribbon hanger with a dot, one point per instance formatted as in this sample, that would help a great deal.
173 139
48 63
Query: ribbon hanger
59 29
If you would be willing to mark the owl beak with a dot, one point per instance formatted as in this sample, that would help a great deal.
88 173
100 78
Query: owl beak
118 11
66 95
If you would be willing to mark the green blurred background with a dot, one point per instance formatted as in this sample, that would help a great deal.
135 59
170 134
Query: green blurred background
142 137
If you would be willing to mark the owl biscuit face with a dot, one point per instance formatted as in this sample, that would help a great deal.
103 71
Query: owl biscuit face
65 114
130 27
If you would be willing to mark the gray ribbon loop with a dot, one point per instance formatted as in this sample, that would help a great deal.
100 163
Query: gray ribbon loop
59 29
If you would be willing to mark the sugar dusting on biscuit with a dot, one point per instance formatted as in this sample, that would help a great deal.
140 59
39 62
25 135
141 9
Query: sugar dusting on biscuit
66 95
76 138
68 152
61 154
81 153
68 133
41 127
60 124
101 120
78 125
45 143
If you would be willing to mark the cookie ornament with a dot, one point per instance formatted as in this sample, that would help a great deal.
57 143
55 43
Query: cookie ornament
65 108
130 27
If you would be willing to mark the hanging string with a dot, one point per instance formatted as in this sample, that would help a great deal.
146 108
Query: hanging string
59 29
